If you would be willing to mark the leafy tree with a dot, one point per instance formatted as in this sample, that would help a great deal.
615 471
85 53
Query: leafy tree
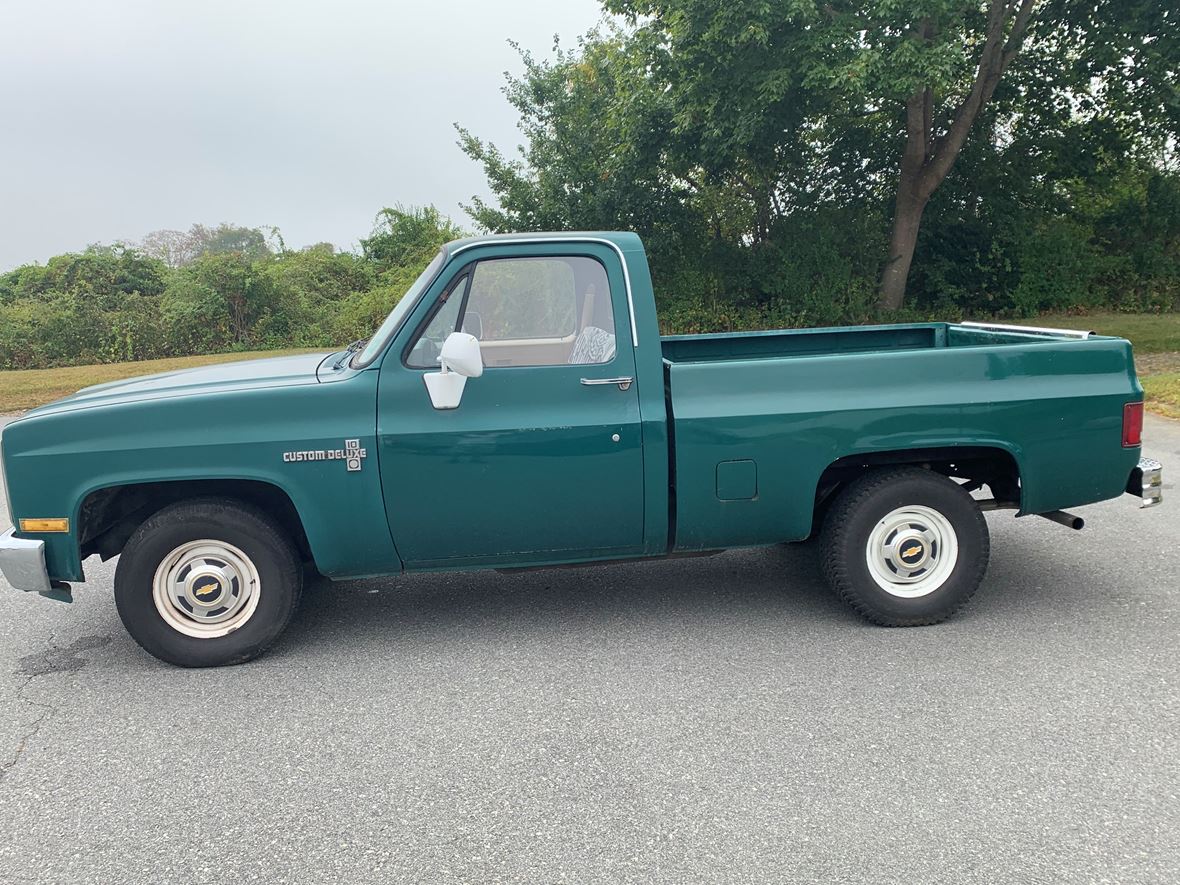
227 293
196 316
403 241
320 273
229 239
103 273
310 285
178 248
173 247
405 236
596 158
741 115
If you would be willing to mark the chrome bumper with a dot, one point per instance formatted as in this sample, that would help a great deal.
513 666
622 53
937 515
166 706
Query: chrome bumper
23 563
1147 482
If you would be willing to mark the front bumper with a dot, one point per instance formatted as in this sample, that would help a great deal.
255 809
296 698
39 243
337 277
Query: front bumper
1147 482
23 563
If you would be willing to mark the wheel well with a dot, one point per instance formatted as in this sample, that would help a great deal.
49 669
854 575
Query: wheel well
108 517
977 465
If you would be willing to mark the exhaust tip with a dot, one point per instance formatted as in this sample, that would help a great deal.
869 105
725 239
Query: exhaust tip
1069 520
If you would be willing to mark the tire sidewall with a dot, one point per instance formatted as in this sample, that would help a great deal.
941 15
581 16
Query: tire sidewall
278 587
959 509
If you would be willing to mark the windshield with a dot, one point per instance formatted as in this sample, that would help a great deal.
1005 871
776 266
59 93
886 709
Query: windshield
394 320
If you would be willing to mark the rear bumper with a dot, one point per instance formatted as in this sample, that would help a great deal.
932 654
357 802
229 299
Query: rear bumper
1147 482
23 563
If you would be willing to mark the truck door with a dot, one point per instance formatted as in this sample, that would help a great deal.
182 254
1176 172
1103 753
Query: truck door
542 461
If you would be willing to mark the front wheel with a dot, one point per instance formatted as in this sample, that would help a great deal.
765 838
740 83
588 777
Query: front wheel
207 582
905 547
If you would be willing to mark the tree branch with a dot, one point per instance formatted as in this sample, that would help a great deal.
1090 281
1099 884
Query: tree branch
692 182
993 59
754 193
1016 38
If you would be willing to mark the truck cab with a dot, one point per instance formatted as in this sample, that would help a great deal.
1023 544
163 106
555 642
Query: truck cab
569 401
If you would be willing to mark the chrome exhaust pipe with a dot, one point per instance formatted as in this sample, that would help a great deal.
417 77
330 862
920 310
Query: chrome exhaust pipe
1066 519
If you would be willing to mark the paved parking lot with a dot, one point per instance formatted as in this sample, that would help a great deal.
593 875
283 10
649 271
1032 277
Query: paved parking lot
717 719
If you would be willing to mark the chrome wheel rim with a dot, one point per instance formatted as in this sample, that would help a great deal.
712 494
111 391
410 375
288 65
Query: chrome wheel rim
206 589
912 551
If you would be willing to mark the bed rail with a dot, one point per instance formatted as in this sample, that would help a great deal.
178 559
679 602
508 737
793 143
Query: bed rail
1027 330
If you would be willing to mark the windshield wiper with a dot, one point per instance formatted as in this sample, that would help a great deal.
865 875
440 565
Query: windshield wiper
355 347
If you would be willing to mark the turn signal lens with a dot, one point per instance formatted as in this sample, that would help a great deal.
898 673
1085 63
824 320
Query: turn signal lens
1132 425
41 526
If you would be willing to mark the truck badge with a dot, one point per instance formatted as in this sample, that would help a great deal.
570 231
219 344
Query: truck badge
352 455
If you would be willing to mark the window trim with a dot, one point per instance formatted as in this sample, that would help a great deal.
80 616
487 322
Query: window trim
463 276
542 241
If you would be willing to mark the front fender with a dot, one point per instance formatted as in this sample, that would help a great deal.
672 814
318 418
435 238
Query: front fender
56 460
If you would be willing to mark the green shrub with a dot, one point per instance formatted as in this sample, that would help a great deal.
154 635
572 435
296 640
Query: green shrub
1059 269
1108 242
195 317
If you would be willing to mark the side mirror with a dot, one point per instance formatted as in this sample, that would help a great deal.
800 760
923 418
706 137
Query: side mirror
460 360
460 353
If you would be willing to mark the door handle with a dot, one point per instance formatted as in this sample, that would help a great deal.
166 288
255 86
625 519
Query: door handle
623 383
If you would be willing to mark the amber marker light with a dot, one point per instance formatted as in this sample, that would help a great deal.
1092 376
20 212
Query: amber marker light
44 526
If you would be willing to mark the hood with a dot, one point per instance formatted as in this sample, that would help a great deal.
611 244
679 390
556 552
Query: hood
281 371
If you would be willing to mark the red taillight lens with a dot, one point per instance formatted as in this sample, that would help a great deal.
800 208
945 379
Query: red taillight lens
1132 425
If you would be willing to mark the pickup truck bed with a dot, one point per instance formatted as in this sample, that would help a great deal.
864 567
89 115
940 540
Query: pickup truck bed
779 409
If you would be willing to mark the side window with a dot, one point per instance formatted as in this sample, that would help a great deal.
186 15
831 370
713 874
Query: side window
525 312
424 353
541 311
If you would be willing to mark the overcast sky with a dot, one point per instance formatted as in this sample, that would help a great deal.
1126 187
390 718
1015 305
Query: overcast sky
119 117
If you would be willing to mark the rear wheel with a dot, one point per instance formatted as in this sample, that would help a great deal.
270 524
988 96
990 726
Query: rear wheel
905 547
207 582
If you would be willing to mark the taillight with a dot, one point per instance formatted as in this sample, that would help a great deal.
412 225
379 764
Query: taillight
1132 425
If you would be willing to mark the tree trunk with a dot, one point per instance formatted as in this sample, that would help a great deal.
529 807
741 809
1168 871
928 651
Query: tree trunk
927 159
907 217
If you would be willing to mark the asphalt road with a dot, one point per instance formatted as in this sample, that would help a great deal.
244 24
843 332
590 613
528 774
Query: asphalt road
719 720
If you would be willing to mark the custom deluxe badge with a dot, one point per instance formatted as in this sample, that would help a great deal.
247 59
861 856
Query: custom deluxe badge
352 455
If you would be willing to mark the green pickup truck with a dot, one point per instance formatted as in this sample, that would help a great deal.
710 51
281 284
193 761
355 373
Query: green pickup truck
519 408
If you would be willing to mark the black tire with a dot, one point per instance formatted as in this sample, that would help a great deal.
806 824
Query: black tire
867 503
254 534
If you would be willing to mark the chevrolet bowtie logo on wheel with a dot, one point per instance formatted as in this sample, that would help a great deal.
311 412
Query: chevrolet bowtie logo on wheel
352 455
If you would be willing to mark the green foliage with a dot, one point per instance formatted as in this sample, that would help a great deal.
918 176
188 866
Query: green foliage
219 289
196 317
178 248
406 236
356 316
1058 269
402 243
757 148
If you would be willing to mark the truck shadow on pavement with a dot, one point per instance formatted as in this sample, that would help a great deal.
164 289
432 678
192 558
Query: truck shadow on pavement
764 584
775 589
773 592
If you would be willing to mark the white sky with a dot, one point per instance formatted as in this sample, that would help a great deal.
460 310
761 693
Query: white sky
119 117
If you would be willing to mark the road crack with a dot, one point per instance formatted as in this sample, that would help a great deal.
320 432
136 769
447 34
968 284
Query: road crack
53 659
33 730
